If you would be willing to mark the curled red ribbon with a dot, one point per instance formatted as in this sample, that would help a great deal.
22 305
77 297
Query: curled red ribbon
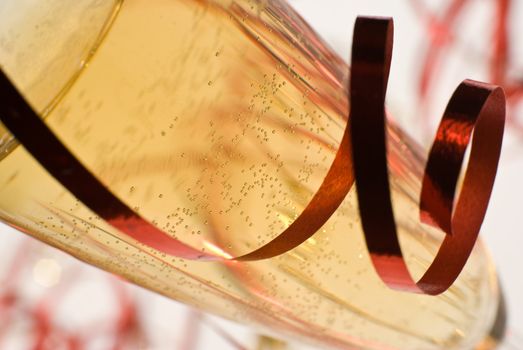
474 107
372 48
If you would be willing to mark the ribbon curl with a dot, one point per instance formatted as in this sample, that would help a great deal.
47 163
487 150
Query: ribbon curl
474 106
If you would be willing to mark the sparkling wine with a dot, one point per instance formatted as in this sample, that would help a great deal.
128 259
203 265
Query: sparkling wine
217 121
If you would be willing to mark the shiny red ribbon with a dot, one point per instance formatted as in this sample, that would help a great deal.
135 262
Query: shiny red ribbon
474 105
474 108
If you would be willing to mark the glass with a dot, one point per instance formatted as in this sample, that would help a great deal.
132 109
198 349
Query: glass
217 121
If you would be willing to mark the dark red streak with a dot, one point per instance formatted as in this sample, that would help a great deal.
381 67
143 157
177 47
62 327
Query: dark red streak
47 149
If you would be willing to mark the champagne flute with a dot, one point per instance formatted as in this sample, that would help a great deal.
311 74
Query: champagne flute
217 121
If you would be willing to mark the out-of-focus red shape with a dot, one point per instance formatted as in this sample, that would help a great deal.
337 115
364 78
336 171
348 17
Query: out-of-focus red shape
441 36
45 332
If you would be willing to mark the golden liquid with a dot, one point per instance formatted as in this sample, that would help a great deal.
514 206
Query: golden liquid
217 122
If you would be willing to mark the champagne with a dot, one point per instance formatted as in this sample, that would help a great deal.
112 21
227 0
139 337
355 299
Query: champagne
217 121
